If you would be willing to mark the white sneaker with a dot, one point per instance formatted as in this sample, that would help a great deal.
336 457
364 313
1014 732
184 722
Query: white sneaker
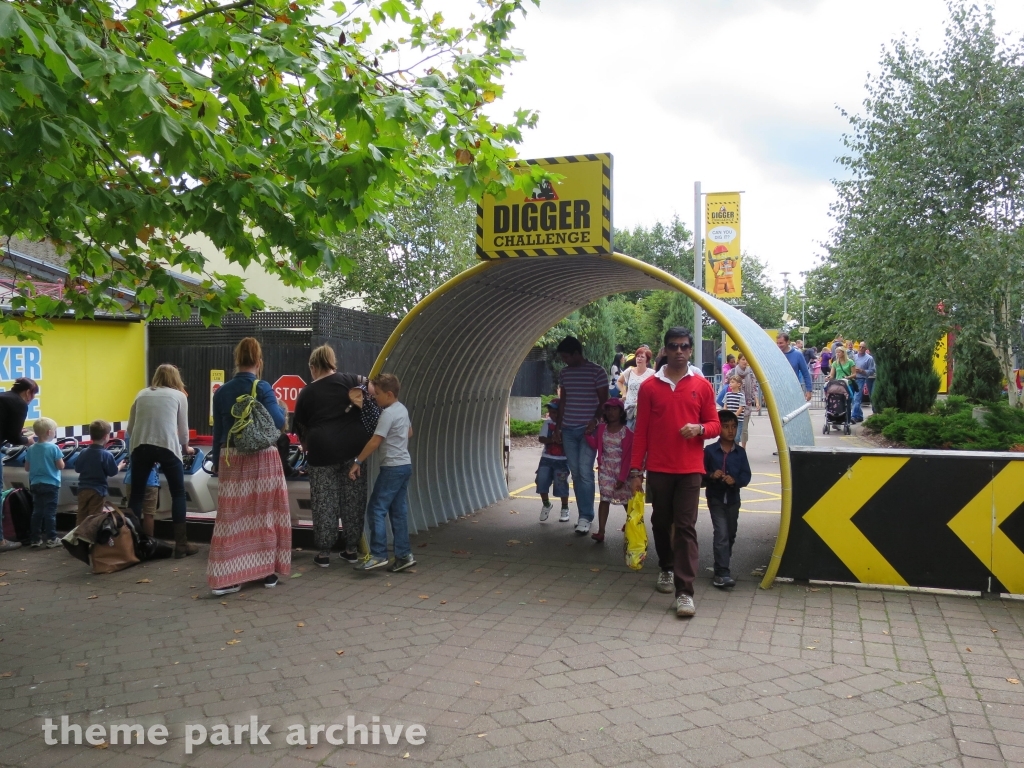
685 606
666 582
545 510
583 527
564 516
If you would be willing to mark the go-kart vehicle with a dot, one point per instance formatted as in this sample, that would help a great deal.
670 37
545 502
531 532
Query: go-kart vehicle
16 476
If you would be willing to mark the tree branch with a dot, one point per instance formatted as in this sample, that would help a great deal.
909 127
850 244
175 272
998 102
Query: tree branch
123 164
208 11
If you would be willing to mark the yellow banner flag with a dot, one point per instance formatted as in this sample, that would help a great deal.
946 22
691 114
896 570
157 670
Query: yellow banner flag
722 269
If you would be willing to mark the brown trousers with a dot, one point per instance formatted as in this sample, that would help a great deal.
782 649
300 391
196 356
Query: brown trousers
89 503
674 520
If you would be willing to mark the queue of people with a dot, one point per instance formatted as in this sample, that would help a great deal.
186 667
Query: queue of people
340 419
844 361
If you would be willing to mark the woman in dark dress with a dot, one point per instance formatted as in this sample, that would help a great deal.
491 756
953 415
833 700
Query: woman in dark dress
13 412
330 420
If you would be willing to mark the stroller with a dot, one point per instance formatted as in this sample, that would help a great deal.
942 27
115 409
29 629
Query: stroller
837 406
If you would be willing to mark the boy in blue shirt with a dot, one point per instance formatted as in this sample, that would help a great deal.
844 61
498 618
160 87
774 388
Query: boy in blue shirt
95 464
43 462
726 470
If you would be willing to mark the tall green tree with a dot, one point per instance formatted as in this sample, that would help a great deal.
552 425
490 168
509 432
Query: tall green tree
929 221
823 301
666 246
268 126
593 325
761 302
422 245
976 375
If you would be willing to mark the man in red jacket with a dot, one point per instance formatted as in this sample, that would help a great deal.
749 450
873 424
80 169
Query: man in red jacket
675 414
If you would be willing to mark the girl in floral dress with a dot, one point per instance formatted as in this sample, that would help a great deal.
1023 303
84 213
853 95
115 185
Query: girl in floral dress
614 443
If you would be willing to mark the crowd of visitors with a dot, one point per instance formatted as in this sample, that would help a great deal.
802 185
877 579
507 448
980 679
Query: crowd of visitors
648 425
340 420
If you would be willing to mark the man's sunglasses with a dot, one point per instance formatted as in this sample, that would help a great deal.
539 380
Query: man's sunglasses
678 347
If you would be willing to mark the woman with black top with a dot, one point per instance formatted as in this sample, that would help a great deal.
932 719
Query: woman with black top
13 412
329 420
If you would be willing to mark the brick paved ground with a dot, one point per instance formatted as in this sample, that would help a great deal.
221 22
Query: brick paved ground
515 643
541 654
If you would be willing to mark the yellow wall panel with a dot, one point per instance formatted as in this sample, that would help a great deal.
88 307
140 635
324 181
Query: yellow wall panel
86 370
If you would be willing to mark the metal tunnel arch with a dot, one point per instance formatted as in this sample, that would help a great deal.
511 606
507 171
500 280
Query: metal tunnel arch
457 353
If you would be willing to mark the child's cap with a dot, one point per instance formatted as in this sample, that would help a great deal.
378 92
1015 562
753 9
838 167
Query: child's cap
553 405
613 402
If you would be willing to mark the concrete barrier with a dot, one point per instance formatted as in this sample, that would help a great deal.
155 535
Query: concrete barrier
525 408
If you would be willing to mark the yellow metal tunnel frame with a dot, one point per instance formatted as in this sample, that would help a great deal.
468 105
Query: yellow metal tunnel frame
457 353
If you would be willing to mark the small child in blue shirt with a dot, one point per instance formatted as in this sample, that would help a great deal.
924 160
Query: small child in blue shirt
43 462
94 465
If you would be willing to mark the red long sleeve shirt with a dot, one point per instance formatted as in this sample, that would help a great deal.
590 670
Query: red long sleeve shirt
661 412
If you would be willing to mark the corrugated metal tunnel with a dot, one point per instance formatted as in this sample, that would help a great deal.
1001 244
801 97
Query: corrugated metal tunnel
458 351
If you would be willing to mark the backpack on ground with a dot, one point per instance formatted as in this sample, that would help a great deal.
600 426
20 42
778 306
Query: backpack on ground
17 515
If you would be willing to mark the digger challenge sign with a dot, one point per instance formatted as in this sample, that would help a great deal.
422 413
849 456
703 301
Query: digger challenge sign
572 216
722 268
19 361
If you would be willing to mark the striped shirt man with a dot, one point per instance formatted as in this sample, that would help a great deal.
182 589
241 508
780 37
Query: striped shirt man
580 384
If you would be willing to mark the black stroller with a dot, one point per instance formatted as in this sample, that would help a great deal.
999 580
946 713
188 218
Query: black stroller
837 406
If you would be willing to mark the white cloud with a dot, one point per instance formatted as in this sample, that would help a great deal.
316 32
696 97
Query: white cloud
740 94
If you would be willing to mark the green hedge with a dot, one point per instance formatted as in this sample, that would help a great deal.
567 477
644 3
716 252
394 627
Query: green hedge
521 428
950 426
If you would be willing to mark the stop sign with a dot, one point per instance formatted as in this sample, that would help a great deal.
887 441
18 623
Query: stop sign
287 388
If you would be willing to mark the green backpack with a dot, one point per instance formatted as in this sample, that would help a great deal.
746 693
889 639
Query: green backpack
254 429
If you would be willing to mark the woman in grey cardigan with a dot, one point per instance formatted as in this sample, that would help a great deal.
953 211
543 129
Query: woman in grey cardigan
158 431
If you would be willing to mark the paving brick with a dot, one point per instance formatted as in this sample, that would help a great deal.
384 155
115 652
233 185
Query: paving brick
602 674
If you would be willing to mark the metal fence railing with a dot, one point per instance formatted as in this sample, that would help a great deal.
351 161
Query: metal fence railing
817 394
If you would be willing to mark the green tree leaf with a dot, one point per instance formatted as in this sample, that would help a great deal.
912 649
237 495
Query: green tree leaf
271 130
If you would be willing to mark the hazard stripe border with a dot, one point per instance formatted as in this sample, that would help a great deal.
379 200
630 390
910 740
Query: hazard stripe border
606 247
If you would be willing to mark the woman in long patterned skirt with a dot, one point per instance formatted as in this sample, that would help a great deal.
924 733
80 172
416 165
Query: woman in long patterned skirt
252 536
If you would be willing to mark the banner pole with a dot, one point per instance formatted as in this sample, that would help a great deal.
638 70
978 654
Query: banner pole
698 278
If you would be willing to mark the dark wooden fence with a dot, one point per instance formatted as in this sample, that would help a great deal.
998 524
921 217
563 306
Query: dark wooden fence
287 339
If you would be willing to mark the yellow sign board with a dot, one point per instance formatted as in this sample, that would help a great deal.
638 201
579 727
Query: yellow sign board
940 362
86 370
722 269
732 349
565 218
216 382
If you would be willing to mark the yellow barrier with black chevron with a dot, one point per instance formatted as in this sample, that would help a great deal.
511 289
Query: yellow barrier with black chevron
572 216
942 519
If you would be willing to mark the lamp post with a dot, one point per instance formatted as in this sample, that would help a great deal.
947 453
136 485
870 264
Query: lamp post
785 299
803 317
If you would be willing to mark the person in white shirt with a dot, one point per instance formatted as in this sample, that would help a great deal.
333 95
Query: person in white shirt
158 431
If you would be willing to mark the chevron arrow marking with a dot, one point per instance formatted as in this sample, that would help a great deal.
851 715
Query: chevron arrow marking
978 523
831 518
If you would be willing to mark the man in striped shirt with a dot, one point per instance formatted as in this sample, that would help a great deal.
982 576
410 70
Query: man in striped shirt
584 388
